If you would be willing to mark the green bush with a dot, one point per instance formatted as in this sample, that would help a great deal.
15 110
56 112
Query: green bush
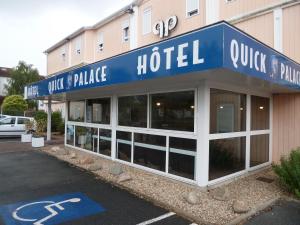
56 121
61 128
289 172
40 115
14 105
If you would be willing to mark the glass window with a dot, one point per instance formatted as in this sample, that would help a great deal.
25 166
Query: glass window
227 111
124 145
132 111
105 142
192 7
86 138
260 113
173 111
8 121
76 111
226 156
23 120
70 135
150 151
98 111
182 154
259 149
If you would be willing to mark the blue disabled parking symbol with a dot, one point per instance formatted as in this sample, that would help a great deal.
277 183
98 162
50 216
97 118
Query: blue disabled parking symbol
50 210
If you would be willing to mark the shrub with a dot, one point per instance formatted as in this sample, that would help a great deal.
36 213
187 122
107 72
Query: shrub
41 125
14 105
289 171
61 128
40 115
56 121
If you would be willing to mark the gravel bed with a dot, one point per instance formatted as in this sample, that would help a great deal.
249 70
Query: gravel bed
170 194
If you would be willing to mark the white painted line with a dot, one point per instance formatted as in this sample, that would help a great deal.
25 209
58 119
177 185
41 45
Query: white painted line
193 224
157 218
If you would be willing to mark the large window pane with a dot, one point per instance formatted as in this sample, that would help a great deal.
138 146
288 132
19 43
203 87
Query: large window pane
260 113
86 138
226 156
124 145
182 154
70 135
259 149
76 111
173 111
227 111
150 151
105 142
132 111
98 111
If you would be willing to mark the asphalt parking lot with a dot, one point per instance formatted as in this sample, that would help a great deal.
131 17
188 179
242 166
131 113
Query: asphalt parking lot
38 189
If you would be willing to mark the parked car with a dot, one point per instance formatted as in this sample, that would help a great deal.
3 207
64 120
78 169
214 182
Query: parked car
13 125
3 116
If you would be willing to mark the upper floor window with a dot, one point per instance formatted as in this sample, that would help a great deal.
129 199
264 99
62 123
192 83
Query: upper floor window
100 41
63 53
78 45
147 21
125 31
192 7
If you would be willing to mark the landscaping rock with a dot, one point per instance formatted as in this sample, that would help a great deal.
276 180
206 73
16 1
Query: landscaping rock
240 207
73 155
116 170
55 148
87 160
192 198
124 177
220 194
94 167
62 151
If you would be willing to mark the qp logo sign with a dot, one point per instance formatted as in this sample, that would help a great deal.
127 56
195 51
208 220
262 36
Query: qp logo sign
50 211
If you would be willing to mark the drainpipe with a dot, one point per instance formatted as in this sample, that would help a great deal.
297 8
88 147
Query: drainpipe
49 120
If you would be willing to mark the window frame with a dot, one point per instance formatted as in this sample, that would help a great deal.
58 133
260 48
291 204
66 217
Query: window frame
100 41
125 28
78 45
144 31
187 15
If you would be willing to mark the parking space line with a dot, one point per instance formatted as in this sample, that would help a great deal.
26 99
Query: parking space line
157 218
193 224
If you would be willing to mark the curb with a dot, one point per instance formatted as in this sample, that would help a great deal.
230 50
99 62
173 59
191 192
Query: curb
253 211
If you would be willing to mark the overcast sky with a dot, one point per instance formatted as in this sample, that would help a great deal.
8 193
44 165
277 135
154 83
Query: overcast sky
28 27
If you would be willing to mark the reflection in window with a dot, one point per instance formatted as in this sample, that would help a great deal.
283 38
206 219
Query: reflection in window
132 111
70 135
150 151
173 111
226 156
76 111
105 142
98 111
86 138
227 111
260 112
124 146
182 154
259 149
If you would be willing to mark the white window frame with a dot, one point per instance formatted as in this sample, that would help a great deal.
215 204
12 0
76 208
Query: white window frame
186 9
63 53
145 29
78 45
125 28
100 41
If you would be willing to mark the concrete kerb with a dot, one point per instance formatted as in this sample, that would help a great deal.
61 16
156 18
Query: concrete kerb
252 212
184 214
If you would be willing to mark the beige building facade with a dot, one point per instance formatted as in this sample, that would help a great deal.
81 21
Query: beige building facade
247 123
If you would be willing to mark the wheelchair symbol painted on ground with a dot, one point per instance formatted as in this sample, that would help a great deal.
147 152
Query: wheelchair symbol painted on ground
51 210
49 205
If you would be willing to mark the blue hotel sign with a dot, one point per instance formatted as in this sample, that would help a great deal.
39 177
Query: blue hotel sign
217 46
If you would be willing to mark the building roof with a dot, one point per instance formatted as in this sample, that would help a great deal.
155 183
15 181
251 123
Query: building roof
5 72
120 12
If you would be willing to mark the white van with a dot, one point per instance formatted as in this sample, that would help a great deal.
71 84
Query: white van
13 125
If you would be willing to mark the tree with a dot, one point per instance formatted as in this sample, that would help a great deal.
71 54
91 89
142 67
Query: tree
22 75
14 105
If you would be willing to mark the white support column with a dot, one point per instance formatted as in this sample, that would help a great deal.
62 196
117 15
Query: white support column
212 11
202 156
133 39
114 120
49 120
248 130
278 29
66 120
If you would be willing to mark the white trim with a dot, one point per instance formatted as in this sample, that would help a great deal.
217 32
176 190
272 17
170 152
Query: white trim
271 131
114 120
168 149
145 30
186 9
278 37
154 220
89 151
133 33
212 13
92 125
248 129
227 177
227 135
182 151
